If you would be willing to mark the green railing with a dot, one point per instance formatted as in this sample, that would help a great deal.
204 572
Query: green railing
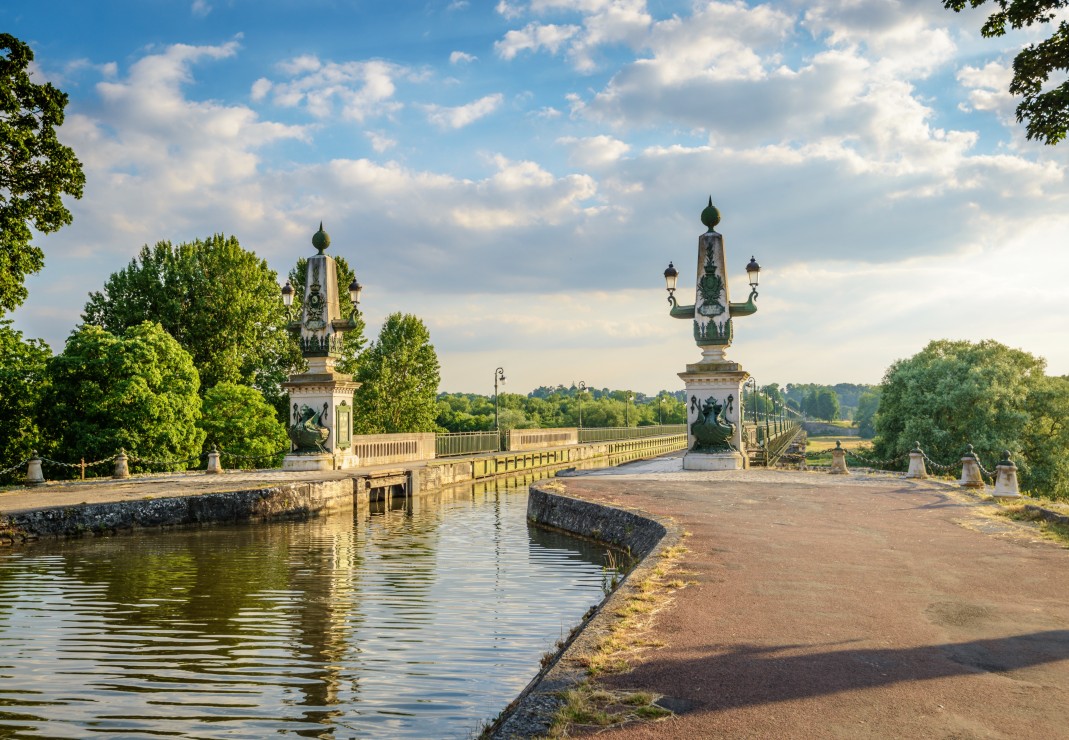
611 434
466 443
766 447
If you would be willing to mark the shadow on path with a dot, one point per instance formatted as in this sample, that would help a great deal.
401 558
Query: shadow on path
750 675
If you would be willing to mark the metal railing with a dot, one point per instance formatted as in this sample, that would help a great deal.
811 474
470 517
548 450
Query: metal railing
611 434
466 443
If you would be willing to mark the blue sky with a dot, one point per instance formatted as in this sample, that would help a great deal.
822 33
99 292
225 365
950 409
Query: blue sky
519 173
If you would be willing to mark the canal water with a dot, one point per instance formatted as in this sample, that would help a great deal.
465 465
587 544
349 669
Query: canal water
414 620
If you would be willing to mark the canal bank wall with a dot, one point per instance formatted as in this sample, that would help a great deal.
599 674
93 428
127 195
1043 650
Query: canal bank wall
645 537
287 501
102 506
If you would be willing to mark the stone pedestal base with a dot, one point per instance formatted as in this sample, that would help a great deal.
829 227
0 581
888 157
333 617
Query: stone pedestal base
720 380
319 462
712 461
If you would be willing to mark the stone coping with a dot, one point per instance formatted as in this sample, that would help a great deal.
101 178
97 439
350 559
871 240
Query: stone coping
645 535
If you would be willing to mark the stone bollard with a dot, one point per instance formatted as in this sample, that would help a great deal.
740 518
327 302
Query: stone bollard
1006 478
838 460
214 466
34 475
970 471
916 463
122 470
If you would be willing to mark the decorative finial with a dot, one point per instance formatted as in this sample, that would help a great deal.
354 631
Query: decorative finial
710 216
321 239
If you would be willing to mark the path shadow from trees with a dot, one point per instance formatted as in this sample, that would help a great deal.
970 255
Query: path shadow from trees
751 675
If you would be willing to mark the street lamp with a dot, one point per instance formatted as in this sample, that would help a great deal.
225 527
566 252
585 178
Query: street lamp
670 277
753 271
499 375
582 388
752 383
287 298
627 405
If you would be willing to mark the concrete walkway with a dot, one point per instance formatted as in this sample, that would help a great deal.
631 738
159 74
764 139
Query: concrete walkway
847 607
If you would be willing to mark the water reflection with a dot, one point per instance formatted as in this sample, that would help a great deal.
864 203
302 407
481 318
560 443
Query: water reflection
416 620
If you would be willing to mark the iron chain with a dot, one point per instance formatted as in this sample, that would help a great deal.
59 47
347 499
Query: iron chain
78 464
14 467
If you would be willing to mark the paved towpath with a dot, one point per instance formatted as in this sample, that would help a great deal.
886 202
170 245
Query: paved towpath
847 607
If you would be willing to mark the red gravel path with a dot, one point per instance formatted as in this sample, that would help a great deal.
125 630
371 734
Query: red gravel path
849 608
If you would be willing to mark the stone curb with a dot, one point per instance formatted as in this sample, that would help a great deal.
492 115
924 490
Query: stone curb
645 535
295 500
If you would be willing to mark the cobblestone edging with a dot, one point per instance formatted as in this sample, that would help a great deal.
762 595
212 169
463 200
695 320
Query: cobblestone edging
644 536
293 500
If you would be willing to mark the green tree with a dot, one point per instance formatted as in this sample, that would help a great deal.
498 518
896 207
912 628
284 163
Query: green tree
220 301
399 376
868 404
22 383
138 391
237 420
826 405
353 341
954 393
35 169
1046 438
1047 111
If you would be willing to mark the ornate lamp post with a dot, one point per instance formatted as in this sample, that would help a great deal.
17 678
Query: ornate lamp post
714 384
499 374
321 415
582 389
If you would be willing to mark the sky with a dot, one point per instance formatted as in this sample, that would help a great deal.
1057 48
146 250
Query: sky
519 173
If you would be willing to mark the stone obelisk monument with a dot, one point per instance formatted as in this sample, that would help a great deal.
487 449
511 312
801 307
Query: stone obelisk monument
714 383
321 399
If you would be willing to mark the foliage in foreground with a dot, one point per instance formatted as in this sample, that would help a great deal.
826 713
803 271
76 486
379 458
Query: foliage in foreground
137 391
22 377
955 393
237 420
1046 110
35 168
220 301
399 374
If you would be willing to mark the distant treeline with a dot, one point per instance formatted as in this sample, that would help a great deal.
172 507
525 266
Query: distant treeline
831 402
548 407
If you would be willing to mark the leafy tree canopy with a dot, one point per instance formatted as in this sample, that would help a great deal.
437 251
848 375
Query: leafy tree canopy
22 379
954 393
138 391
400 375
1046 437
220 301
867 406
1045 110
35 169
353 341
237 420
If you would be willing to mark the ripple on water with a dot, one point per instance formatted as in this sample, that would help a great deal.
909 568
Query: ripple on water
397 624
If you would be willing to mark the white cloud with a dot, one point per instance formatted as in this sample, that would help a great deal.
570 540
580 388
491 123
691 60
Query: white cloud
595 151
534 37
463 115
361 90
201 8
380 142
508 10
603 22
460 57
988 87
